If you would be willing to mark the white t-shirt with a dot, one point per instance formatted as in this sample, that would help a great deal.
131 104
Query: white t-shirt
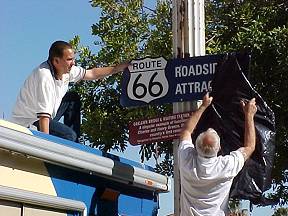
206 182
41 94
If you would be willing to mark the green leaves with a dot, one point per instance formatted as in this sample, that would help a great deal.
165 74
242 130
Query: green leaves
122 28
281 212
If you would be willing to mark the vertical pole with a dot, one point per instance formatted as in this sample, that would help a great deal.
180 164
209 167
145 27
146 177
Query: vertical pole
177 50
188 26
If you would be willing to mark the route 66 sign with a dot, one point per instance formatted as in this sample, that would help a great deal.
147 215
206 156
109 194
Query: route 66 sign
157 81
147 79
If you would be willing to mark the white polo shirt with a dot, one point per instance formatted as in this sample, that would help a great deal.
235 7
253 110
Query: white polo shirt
41 94
206 182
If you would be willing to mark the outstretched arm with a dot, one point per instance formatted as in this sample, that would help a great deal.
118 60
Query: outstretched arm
101 72
249 110
194 118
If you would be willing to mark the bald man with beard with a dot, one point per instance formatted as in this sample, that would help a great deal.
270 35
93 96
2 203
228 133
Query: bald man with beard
206 178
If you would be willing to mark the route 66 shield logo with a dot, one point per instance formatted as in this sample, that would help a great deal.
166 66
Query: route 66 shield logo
147 79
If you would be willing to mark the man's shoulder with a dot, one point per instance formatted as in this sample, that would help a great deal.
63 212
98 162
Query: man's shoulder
233 160
186 153
42 71
186 145
236 152
186 142
44 66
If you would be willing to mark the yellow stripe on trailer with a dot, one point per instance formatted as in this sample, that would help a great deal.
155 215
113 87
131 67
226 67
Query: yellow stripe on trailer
16 127
24 173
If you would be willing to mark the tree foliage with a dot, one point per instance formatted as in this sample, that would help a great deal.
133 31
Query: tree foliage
129 29
281 212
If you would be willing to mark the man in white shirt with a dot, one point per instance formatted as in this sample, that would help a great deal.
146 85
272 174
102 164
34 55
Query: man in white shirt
206 178
41 95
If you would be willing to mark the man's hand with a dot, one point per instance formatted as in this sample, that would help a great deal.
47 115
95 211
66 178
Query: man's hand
120 67
249 108
206 100
191 123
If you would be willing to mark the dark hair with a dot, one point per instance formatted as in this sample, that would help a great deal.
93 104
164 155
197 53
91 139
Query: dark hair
57 48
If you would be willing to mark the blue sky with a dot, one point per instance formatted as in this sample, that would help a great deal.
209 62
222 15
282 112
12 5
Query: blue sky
27 29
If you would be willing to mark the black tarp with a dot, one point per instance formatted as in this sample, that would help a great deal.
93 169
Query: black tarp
225 115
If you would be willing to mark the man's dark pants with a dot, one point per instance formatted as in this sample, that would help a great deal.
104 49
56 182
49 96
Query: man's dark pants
70 109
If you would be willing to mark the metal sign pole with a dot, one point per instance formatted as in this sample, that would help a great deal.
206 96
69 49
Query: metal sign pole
188 26
177 52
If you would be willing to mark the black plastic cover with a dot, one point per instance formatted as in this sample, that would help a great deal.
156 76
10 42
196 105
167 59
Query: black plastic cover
226 116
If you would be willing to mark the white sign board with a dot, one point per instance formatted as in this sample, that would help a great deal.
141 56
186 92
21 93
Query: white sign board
147 81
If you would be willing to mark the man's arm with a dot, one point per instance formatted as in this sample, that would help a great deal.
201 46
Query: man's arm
100 73
44 124
249 135
194 118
